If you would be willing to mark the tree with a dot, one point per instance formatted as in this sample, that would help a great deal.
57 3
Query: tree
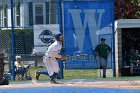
127 9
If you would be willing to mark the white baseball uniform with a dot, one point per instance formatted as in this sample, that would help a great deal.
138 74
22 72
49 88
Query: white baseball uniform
50 56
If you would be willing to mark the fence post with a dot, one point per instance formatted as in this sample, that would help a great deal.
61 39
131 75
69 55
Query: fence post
61 75
60 26
113 29
12 27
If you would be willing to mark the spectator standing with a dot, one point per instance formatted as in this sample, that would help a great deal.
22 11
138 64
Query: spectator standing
102 51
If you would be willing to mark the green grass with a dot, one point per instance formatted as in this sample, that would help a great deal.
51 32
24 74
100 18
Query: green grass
69 74
80 74
76 74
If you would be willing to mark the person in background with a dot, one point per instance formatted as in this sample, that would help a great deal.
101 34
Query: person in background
50 56
19 62
20 68
1 67
133 59
3 80
102 51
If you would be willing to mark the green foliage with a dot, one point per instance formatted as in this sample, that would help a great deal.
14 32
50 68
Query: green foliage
5 39
23 40
127 9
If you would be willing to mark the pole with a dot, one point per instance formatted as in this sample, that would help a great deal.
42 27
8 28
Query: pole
113 28
60 26
12 29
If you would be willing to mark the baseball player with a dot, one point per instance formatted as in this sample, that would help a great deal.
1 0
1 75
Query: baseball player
50 56
3 81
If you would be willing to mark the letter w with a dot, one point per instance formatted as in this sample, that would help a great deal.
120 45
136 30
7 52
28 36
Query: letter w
90 21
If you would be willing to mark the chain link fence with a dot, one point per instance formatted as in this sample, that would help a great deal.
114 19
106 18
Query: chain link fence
18 19
26 14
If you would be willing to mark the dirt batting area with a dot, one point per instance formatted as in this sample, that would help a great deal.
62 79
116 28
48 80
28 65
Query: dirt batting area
128 84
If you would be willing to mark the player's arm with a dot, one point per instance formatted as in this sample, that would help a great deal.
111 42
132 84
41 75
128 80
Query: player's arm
109 50
63 57
96 52
57 55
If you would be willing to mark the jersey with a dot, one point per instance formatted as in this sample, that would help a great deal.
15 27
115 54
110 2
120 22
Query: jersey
54 49
103 50
133 59
19 64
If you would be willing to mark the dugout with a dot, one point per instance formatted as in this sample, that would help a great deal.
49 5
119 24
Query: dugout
127 33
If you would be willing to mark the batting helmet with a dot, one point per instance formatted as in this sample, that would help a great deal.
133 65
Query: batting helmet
58 36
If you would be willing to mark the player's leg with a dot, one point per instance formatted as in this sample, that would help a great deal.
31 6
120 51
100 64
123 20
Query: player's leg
103 63
48 64
104 68
55 66
131 68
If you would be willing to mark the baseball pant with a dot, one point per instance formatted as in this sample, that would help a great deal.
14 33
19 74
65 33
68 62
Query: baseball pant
51 65
103 64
